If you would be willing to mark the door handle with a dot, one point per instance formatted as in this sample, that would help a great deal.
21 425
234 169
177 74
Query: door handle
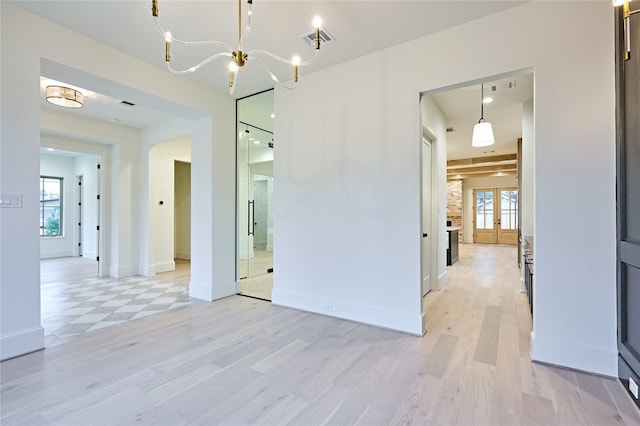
425 235
250 215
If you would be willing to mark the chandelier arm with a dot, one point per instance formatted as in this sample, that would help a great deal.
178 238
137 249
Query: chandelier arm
247 28
198 66
278 58
193 43
271 74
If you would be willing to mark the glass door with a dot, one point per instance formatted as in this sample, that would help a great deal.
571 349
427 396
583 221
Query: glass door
255 195
495 216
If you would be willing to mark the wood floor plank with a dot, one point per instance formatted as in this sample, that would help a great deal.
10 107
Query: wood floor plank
243 361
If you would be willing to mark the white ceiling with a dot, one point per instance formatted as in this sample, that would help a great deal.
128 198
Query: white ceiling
461 108
359 27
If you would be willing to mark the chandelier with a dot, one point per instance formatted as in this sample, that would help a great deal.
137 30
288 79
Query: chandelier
237 57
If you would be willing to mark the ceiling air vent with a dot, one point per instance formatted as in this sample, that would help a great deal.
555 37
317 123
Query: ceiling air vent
310 38
127 103
503 86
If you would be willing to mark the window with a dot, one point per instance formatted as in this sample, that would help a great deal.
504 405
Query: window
50 206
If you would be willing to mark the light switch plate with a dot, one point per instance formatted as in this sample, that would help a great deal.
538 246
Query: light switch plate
633 387
10 200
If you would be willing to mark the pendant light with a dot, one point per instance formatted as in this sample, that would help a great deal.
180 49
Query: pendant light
482 131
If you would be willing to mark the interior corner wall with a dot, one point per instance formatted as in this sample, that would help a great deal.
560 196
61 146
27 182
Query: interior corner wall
20 328
60 167
433 118
351 170
468 185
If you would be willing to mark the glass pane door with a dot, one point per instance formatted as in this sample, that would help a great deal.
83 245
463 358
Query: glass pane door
255 195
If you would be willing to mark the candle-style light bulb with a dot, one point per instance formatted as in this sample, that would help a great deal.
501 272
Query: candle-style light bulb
317 23
296 62
167 46
233 69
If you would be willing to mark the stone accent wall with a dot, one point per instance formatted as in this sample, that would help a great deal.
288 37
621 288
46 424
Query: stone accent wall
454 204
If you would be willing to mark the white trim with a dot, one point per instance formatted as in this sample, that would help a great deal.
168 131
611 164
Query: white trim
21 342
391 320
184 255
443 279
577 358
165 267
56 253
124 271
205 291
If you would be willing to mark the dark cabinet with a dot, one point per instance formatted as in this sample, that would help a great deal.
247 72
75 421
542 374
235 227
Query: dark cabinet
452 245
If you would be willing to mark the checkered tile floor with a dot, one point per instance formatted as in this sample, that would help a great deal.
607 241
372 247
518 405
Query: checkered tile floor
71 308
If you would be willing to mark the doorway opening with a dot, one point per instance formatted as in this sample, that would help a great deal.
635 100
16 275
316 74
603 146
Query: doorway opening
255 226
170 206
479 182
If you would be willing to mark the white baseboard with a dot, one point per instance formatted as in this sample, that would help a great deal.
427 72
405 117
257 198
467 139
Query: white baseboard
51 254
398 321
123 271
578 358
184 255
443 279
205 291
21 342
165 267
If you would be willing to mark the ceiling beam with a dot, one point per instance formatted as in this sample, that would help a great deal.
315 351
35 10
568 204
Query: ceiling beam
478 169
479 160
485 174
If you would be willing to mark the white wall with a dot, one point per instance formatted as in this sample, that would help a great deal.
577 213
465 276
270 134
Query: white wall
468 185
162 159
62 167
182 217
351 170
211 123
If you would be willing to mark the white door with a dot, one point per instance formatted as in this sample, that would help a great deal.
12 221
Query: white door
426 217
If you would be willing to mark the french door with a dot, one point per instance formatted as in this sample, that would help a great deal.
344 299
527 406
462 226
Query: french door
495 216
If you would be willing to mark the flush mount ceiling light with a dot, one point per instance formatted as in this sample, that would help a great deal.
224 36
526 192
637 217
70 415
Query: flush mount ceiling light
482 131
238 57
626 14
64 96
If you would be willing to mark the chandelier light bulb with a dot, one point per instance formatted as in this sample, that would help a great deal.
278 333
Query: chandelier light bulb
317 22
295 60
617 2
167 36
233 67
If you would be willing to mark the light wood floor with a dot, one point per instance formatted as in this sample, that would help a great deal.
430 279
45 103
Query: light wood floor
258 283
243 361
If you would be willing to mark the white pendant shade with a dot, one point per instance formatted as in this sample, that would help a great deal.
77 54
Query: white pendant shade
482 134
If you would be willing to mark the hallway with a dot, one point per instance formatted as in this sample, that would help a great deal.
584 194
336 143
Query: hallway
243 361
